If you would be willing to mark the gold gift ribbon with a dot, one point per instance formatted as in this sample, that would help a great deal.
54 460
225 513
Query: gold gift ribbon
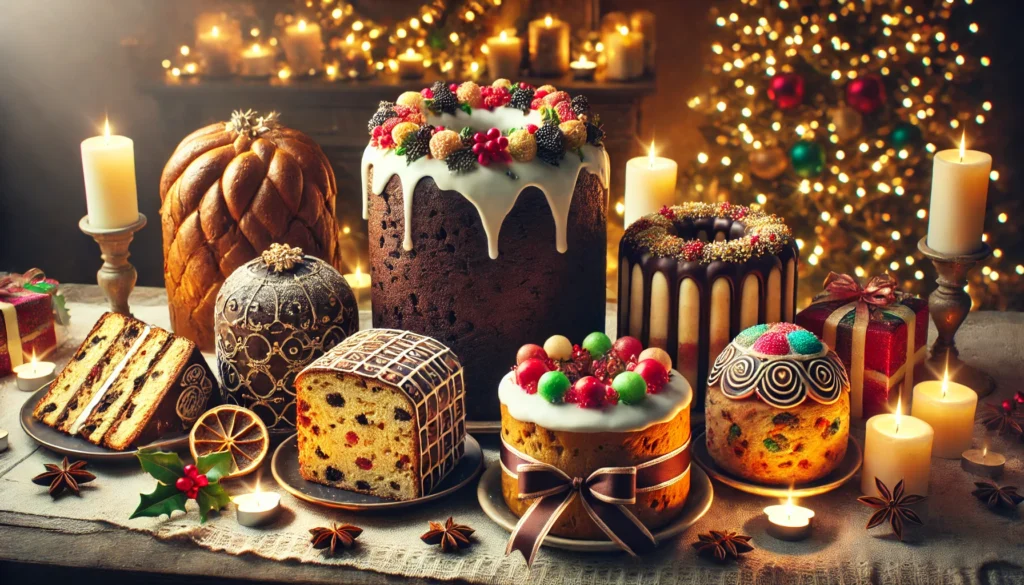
13 338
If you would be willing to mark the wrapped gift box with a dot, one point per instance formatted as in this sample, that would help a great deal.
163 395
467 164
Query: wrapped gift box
26 322
886 358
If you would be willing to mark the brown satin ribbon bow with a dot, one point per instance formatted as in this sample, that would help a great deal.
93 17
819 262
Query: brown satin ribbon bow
879 292
13 284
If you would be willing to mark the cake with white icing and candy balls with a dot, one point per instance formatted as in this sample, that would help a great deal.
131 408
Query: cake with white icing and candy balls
487 209
596 405
778 406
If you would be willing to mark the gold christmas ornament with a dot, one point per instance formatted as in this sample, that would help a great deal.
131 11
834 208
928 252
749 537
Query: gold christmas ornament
848 122
281 257
768 163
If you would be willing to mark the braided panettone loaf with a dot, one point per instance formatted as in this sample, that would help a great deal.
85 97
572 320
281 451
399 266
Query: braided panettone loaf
229 191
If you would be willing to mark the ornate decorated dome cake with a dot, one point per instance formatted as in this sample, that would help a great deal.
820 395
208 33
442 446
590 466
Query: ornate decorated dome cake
602 405
778 406
694 275
487 211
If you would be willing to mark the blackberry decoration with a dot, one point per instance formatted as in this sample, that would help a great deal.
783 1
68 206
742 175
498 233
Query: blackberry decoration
580 105
550 144
522 97
595 132
384 111
444 100
461 161
417 145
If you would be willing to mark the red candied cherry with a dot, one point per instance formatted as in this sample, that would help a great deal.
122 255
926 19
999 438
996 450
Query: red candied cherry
529 372
627 348
351 438
454 87
611 397
530 350
587 392
653 373
437 129
427 93
364 463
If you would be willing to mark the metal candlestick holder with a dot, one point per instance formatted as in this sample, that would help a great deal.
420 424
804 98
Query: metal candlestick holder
949 305
117 276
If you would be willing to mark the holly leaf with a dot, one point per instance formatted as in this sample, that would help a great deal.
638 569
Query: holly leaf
466 108
164 500
211 497
214 465
165 467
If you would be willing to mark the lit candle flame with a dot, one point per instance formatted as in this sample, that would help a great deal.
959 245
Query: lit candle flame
359 272
256 48
899 407
34 358
410 52
623 30
302 25
504 36
106 130
945 383
548 21
651 154
963 139
215 31
984 451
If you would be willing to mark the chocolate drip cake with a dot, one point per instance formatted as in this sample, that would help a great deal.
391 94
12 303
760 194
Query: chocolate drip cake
490 236
691 277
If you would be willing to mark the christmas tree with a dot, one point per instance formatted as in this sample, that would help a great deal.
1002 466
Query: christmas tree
828 113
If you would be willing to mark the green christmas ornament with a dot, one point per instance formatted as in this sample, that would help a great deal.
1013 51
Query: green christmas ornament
807 158
630 387
597 344
552 386
904 135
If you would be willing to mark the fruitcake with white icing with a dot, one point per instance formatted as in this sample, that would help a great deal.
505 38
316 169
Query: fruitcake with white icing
382 413
778 406
596 405
128 384
487 209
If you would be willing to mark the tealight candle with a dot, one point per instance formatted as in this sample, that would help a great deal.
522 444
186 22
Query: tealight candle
549 47
650 185
257 61
108 164
256 508
303 46
983 462
624 51
504 53
789 521
410 65
359 282
583 69
33 374
949 408
3 440
956 214
897 447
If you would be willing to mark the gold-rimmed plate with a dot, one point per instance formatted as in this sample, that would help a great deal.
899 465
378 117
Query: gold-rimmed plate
285 467
847 468
79 448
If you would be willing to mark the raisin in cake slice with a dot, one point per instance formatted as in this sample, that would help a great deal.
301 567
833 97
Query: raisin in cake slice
382 414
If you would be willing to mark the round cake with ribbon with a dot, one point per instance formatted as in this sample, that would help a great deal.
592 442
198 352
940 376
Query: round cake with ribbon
595 442
778 406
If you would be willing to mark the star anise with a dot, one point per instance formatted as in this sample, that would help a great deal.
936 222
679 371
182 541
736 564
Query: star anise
1001 418
893 506
66 476
331 537
721 545
1005 497
450 536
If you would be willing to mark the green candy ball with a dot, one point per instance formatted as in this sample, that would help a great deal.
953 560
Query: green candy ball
808 159
553 386
804 342
630 387
597 344
904 135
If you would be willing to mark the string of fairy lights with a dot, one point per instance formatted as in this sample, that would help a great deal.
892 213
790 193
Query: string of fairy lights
828 112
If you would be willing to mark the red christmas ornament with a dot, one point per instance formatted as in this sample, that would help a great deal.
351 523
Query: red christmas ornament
627 348
866 94
786 90
528 374
530 350
653 373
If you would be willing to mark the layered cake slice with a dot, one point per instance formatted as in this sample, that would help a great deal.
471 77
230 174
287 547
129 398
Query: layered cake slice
128 384
382 413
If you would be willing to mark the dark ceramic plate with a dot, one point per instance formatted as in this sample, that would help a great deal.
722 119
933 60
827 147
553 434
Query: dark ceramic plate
285 467
77 447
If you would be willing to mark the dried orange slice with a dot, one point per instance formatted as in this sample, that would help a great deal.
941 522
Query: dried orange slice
234 429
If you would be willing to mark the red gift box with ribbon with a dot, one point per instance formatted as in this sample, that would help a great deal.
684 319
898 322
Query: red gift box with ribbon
878 332
26 319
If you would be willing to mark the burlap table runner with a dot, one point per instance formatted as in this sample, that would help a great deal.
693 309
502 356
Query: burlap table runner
962 541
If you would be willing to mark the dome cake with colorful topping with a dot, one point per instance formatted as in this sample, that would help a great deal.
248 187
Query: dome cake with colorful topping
487 209
692 276
778 406
599 404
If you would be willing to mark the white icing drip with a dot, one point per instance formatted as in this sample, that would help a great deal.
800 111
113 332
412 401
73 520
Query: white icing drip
654 409
488 188
108 383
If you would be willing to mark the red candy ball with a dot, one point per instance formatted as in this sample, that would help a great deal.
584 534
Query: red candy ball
786 90
531 350
772 343
866 94
627 348
529 372
653 373
587 392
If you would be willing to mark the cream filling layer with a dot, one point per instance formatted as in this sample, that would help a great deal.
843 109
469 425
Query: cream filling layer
98 396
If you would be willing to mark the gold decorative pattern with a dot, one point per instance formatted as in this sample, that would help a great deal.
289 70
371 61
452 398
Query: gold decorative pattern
281 257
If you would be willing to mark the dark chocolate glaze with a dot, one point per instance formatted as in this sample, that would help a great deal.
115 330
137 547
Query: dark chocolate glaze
704 276
447 287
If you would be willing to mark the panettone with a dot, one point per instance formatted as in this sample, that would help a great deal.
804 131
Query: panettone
274 316
229 191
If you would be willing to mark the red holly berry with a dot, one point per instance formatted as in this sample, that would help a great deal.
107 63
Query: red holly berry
1008 406
437 129
667 213
191 470
653 373
754 239
528 374
454 87
495 97
491 147
193 493
202 481
771 237
184 484
1019 397
693 250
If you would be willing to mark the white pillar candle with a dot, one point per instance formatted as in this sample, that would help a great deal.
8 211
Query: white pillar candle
303 46
896 448
410 65
218 49
650 185
108 164
549 46
624 51
504 53
257 61
956 215
949 408
643 22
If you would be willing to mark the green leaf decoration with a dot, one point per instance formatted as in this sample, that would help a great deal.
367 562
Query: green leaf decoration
165 467
214 466
548 114
579 151
466 133
211 497
466 108
164 500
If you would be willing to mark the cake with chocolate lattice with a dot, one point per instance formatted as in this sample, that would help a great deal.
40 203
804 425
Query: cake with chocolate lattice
382 413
